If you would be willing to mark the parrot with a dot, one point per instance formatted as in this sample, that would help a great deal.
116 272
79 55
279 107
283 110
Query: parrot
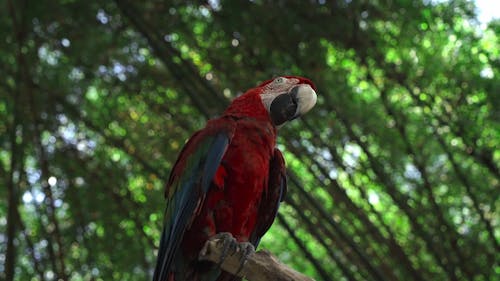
229 178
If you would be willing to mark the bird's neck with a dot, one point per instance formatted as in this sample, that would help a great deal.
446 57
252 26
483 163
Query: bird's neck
248 106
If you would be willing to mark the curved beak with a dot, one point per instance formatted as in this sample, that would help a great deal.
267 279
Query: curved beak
292 104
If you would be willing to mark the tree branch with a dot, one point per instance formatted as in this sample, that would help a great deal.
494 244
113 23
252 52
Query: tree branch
260 266
16 156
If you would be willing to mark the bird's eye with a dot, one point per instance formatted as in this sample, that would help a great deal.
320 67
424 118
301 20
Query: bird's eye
279 80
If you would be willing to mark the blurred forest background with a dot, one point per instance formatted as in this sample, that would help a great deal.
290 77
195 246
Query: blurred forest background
394 175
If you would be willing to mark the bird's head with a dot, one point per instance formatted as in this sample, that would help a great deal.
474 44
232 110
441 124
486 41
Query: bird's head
287 97
281 99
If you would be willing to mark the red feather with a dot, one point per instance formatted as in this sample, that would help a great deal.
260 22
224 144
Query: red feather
244 190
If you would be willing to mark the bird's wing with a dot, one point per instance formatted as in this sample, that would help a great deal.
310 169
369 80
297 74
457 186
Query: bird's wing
189 181
271 198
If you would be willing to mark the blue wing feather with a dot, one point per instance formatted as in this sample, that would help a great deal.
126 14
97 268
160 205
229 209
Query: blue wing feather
189 182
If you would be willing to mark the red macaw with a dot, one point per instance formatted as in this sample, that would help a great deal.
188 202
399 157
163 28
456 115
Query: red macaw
229 177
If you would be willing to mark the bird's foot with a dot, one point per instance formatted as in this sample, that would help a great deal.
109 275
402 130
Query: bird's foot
229 245
247 250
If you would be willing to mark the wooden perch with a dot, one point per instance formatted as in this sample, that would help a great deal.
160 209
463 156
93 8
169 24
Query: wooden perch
260 266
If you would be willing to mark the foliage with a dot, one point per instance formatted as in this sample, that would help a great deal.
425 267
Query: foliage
393 176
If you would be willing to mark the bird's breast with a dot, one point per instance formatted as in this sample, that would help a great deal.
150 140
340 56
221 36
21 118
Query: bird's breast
232 203
246 164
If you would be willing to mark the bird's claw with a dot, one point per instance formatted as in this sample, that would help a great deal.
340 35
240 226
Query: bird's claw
229 247
247 250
